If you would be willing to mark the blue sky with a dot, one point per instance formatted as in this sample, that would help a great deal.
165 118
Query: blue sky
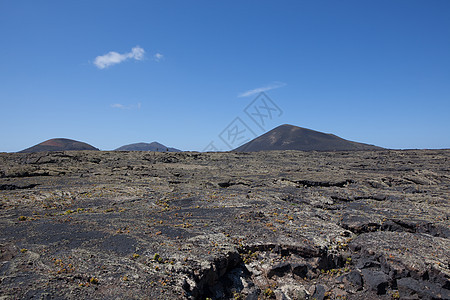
111 73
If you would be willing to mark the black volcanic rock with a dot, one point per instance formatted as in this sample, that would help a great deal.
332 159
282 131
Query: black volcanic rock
59 144
289 137
154 146
225 225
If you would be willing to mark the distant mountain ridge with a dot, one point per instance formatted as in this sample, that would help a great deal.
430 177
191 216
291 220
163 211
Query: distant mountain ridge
153 146
289 137
59 144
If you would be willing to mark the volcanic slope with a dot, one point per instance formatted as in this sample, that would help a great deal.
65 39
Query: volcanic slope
154 146
289 137
59 144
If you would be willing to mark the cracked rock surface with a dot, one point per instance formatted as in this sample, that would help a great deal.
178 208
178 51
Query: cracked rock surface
268 225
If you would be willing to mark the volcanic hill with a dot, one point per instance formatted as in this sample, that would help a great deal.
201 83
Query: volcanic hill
59 144
289 137
154 146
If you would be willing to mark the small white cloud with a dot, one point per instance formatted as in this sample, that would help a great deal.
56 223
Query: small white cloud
113 58
137 53
121 106
117 105
273 85
158 56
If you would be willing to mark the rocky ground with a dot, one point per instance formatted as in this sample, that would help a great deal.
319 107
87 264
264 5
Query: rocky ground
269 225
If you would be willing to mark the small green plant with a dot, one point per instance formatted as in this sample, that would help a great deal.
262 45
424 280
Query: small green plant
22 218
157 258
237 296
135 255
23 250
93 280
268 292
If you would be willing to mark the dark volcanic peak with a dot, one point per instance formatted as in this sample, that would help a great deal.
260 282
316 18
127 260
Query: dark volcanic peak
289 137
59 144
154 146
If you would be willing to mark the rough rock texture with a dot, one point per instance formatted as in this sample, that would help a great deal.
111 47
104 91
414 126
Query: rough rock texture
267 225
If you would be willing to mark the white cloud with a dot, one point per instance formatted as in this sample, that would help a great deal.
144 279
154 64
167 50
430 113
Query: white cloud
117 105
137 53
121 106
158 56
273 85
113 58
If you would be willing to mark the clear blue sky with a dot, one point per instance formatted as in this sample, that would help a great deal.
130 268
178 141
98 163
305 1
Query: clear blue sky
370 71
